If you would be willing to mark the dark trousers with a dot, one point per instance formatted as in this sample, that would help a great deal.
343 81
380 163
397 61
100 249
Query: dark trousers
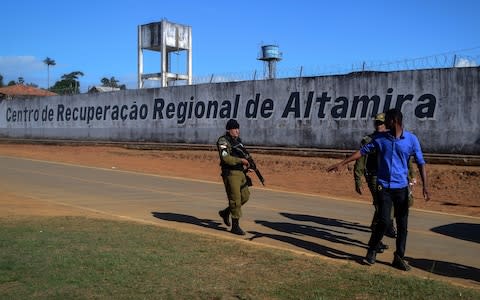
398 198
372 186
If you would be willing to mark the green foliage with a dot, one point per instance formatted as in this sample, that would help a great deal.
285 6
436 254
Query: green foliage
21 80
112 82
68 85
49 62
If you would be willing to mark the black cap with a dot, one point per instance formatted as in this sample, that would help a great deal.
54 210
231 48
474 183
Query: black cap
232 124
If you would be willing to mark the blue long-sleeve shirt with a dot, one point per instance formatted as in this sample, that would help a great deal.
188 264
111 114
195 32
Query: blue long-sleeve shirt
393 156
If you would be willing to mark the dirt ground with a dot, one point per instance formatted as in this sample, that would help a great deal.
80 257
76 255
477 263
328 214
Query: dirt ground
453 189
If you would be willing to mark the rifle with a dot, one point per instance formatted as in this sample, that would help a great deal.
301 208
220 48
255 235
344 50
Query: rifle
252 166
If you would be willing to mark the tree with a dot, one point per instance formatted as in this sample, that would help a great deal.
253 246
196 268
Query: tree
49 62
69 84
21 80
112 82
1 80
105 81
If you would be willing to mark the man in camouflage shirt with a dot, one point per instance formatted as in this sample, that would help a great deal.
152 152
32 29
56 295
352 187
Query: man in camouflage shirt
233 167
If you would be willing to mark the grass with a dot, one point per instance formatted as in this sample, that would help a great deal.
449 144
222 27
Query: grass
82 258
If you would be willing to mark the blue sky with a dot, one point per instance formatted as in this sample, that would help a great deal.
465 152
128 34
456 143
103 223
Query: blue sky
99 38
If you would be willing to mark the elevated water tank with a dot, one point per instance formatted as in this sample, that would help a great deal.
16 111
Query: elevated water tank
270 56
167 38
271 52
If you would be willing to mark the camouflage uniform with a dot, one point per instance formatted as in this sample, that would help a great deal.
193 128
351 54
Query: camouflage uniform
233 175
235 180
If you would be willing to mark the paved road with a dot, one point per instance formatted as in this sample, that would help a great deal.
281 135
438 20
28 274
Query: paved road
447 245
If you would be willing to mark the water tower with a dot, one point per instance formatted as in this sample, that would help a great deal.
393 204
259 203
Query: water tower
164 37
270 55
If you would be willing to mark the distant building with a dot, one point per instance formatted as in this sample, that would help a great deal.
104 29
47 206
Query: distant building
103 89
21 91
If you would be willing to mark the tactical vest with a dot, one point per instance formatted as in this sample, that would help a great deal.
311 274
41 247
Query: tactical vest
371 163
234 144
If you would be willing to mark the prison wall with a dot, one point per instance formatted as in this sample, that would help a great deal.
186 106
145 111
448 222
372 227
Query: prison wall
441 106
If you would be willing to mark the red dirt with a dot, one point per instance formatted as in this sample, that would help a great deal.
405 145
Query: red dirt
453 189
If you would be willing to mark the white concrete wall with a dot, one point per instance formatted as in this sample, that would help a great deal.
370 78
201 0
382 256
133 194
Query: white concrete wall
441 106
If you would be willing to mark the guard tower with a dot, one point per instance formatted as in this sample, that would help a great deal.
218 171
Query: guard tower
270 55
164 37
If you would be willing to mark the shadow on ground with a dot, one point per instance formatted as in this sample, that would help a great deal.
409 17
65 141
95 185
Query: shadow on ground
327 221
207 223
313 247
445 268
289 229
323 233
464 231
331 230
294 232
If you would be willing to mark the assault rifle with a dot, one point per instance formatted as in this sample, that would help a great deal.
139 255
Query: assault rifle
252 166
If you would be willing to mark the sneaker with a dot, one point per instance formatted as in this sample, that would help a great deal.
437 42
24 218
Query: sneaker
371 257
400 263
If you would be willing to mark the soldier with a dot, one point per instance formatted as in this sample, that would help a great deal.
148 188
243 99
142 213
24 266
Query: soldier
233 173
366 167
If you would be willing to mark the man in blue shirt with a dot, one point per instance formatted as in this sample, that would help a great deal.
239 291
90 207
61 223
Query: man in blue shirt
394 149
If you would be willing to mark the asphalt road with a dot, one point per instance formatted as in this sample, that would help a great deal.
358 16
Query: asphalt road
438 246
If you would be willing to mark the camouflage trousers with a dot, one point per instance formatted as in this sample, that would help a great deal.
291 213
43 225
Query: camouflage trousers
237 192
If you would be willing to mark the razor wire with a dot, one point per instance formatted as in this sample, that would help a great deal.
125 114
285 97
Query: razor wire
457 59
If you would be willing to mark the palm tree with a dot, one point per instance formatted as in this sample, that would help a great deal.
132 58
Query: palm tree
112 82
49 62
71 79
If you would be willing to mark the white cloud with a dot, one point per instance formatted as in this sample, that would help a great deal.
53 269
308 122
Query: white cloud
464 62
28 67
20 63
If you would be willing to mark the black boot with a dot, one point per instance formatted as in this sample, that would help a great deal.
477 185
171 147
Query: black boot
371 257
225 215
236 227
